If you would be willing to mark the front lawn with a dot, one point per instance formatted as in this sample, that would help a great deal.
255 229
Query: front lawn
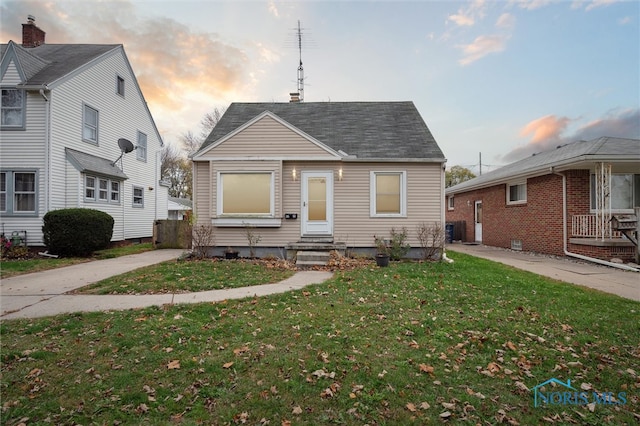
415 343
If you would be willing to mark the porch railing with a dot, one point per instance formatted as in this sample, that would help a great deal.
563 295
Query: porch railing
586 226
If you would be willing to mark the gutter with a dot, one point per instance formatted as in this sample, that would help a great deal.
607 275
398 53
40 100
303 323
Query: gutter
564 232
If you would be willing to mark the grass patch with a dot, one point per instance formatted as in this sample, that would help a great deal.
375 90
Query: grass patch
415 343
10 268
189 276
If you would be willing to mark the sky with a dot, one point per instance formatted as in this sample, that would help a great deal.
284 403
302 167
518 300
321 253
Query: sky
496 80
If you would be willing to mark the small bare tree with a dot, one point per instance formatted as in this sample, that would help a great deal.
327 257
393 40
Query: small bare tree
432 238
253 239
203 238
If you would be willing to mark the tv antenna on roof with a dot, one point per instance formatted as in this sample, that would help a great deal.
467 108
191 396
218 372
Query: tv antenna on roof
299 95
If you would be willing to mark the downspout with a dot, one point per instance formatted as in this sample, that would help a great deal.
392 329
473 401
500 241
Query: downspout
47 149
564 232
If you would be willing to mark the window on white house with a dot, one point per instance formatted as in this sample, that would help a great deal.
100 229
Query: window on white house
624 191
12 109
517 193
3 192
246 194
115 192
90 124
24 192
141 151
388 194
138 196
90 188
120 86
18 192
103 190
450 203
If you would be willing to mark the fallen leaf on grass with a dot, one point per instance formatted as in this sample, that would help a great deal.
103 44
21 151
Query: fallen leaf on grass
174 365
424 368
297 410
227 364
411 407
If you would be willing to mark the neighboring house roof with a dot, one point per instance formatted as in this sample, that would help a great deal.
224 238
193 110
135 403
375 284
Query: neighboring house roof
180 203
359 130
47 63
87 163
572 155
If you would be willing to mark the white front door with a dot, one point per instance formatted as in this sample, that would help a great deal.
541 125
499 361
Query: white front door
478 221
317 203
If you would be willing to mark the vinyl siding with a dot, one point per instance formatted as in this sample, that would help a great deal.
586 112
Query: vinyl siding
11 76
25 150
119 117
352 222
266 138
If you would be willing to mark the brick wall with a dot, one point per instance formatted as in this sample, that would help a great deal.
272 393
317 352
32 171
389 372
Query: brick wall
538 222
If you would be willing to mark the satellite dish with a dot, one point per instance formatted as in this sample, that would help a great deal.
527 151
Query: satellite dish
125 145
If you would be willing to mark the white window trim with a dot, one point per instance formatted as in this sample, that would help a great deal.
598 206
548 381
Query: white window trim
509 185
450 202
133 197
614 211
96 190
84 122
403 193
259 220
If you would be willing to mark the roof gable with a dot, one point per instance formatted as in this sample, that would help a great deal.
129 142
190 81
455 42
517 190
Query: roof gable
369 131
288 141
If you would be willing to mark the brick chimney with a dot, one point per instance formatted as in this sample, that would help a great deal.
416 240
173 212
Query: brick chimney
32 36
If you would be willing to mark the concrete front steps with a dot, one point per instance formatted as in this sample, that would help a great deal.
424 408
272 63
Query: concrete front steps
306 259
313 252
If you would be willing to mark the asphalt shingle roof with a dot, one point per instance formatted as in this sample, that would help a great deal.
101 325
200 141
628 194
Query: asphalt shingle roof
601 149
90 163
367 130
47 63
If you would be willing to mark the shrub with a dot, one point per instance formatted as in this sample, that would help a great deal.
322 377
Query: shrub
398 244
77 232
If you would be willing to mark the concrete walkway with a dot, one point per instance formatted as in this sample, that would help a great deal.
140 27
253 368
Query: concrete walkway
44 293
607 279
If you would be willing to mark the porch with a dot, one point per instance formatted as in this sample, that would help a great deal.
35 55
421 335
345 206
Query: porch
597 238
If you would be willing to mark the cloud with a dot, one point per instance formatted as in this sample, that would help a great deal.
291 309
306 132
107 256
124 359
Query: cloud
481 47
273 9
170 59
548 132
592 4
467 16
531 4
506 21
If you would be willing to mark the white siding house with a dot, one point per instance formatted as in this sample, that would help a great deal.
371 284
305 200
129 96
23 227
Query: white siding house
64 110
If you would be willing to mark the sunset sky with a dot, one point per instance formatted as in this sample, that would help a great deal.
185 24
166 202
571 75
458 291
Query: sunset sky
504 78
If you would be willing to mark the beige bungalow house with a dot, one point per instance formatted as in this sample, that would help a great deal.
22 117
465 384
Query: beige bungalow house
317 175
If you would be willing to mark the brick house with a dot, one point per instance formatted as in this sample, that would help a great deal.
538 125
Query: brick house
557 202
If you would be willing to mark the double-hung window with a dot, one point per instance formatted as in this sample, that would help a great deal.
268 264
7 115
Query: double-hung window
517 193
90 124
89 188
141 150
18 192
388 194
138 196
101 190
12 116
450 202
